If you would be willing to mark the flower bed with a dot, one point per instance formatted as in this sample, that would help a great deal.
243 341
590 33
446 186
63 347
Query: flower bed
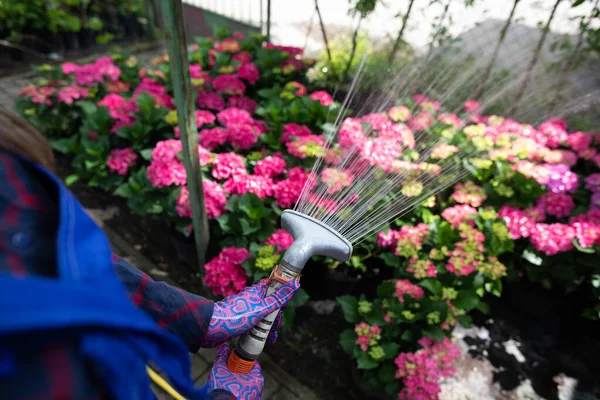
527 210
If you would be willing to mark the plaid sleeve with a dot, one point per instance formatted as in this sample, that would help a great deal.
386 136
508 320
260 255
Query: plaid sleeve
221 394
182 313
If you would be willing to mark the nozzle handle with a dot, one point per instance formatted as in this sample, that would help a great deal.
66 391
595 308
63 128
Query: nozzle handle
251 344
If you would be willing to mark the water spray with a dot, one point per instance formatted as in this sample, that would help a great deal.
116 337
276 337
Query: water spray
311 238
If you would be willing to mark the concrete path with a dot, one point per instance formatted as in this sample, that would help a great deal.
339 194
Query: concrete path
278 384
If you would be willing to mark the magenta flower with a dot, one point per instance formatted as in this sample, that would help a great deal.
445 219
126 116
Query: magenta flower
214 200
592 182
234 116
579 141
558 205
421 121
287 192
471 106
298 88
120 160
381 152
307 146
261 186
68 94
226 165
458 214
224 274
195 71
399 113
587 233
270 166
551 239
378 121
211 101
421 268
323 97
519 223
162 173
242 136
291 131
281 240
156 90
229 84
248 72
117 87
212 137
351 134
469 193
243 103
562 180
243 57
555 133
405 288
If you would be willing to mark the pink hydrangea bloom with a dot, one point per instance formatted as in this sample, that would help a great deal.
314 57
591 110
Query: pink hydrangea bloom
242 136
367 335
281 240
469 193
471 106
323 97
442 151
211 101
554 132
399 113
595 201
351 134
592 182
551 239
270 166
229 84
307 146
579 141
243 103
228 45
298 88
224 274
587 154
97 71
587 233
261 186
404 287
117 87
162 173
70 93
156 90
243 57
561 179
291 131
450 119
234 116
421 268
378 121
212 137
560 156
558 205
195 70
226 165
287 192
119 109
38 94
336 179
519 223
120 160
381 152
214 200
421 121
458 214
248 72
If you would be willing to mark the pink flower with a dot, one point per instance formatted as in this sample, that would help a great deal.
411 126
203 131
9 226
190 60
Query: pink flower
421 268
558 205
553 238
442 151
281 240
404 287
471 106
288 191
212 137
214 200
120 160
587 233
261 186
69 68
592 182
97 71
243 103
119 109
307 146
579 141
195 70
270 166
378 121
351 135
450 119
458 214
595 201
421 121
249 73
469 193
323 97
234 116
381 152
560 156
224 273
587 154
243 57
555 133
156 90
226 165
561 179
291 131
228 45
336 179
162 173
298 88
117 87
519 224
229 84
68 94
211 101
399 113
242 136
39 95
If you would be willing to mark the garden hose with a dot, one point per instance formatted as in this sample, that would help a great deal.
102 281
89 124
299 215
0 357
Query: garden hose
311 238
163 384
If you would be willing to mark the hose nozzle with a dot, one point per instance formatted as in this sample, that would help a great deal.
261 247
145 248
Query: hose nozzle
311 238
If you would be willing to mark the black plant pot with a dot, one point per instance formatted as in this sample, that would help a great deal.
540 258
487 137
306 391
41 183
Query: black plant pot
185 250
87 39
58 42
71 42
130 27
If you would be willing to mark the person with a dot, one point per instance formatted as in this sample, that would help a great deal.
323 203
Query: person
79 322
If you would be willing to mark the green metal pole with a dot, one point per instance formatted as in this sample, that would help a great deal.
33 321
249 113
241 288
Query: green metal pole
172 11
268 20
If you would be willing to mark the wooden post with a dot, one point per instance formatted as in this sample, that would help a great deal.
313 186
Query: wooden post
174 29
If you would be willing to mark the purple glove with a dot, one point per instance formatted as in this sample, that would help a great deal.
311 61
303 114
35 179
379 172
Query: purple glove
243 386
237 314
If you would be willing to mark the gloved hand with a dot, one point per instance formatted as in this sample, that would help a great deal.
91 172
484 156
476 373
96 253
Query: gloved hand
243 386
237 314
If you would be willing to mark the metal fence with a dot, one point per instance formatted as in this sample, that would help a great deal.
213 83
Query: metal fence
251 12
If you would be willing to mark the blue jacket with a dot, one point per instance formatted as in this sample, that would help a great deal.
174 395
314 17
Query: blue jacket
88 305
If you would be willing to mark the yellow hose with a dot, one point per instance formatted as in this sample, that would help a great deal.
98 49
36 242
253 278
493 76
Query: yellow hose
164 385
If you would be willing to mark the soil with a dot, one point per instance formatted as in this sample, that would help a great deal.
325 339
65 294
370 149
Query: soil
553 344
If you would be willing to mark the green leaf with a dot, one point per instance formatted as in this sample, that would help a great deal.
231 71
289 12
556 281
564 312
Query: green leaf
145 102
64 145
445 234
434 332
391 260
288 318
349 307
71 179
124 191
588 250
532 257
483 307
391 350
299 299
465 320
248 227
366 362
577 3
433 285
348 341
154 209
466 299
407 336
147 154
387 373
386 289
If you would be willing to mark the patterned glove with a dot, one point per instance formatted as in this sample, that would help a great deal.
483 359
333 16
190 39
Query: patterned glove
237 314
243 386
